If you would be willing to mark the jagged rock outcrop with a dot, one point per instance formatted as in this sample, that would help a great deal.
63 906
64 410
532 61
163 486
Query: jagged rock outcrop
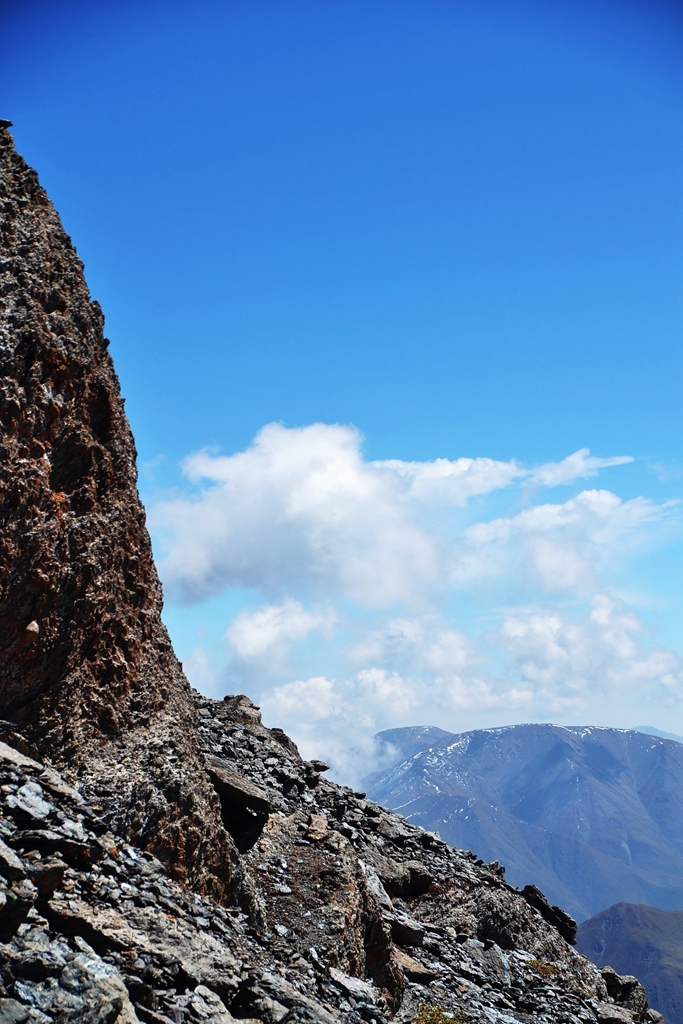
94 931
165 857
86 665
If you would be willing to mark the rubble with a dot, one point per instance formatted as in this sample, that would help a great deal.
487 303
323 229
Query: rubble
101 932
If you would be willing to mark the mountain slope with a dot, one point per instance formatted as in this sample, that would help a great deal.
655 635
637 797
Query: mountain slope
645 941
277 897
593 816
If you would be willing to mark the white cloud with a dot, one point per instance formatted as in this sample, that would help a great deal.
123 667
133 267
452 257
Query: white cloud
601 653
264 637
417 645
201 672
302 511
575 467
426 616
423 673
559 547
299 510
336 719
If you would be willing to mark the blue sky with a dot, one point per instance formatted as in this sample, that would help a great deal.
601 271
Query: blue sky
404 232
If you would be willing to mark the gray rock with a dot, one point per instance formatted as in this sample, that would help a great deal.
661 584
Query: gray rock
18 901
27 806
355 987
237 789
12 1012
10 865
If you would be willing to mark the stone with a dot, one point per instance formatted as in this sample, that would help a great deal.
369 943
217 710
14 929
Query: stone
555 916
403 878
47 875
12 756
413 969
32 631
236 789
12 1012
405 930
19 900
28 805
10 865
610 1013
355 987
625 990
317 827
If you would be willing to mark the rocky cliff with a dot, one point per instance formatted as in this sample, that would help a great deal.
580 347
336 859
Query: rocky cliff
164 857
86 666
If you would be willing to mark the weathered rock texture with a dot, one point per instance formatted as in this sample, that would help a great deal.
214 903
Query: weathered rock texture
86 665
362 916
120 879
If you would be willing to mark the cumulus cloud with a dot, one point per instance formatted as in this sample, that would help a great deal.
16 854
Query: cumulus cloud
376 601
255 634
302 510
417 645
336 719
572 661
262 639
299 510
554 664
559 547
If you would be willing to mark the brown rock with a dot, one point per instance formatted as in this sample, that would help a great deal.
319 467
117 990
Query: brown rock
317 827
96 683
47 875
10 865
413 969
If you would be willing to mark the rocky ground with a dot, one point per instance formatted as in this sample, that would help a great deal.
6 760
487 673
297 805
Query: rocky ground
354 914
164 857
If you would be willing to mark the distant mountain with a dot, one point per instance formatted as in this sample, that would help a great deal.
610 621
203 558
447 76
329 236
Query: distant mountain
651 731
592 816
645 941
396 745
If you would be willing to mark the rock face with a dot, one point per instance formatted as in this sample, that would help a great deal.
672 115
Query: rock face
359 916
86 666
165 857
592 816
641 940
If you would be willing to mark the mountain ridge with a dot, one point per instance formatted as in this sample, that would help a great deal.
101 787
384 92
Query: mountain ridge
588 812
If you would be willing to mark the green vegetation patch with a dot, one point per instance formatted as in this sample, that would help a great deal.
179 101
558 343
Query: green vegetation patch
437 1015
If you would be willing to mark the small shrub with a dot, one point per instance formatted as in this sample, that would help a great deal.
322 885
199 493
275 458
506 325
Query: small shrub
545 970
437 1015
